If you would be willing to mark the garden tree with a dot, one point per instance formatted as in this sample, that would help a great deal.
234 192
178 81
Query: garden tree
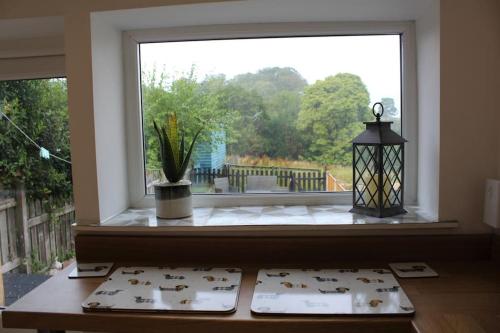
280 89
390 109
270 81
250 119
281 134
331 115
391 113
39 108
197 105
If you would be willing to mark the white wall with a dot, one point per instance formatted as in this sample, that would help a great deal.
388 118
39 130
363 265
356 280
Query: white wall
428 62
109 119
106 25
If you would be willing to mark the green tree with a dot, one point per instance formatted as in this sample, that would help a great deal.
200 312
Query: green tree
331 115
270 81
197 105
39 108
390 109
280 89
250 119
391 113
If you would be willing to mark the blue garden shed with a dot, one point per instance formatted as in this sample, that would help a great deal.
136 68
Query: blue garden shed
212 154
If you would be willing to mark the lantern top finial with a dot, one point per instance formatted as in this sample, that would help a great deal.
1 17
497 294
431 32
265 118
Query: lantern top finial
380 113
378 132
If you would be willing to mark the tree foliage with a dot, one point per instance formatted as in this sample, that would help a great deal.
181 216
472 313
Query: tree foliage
39 108
273 112
332 113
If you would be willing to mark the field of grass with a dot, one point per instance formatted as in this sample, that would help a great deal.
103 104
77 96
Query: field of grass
342 173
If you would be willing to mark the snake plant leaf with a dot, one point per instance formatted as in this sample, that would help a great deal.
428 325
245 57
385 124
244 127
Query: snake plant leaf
173 156
181 151
188 156
168 163
173 136
159 139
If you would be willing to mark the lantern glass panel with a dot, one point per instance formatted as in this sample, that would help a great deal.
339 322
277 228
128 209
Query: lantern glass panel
365 174
393 173
378 169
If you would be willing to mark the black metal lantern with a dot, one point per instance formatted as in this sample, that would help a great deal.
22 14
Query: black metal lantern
378 169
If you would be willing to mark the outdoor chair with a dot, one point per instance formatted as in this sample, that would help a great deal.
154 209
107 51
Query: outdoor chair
221 185
264 184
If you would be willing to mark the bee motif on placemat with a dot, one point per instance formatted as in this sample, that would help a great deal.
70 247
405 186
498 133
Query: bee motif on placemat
229 288
290 285
93 269
178 287
366 280
233 270
327 279
97 305
391 290
375 302
338 290
211 278
282 274
139 299
136 272
108 293
382 271
136 282
173 277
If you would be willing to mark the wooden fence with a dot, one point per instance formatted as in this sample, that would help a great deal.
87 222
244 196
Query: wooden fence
296 180
32 236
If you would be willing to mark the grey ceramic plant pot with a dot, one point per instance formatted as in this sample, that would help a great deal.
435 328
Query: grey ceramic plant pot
173 200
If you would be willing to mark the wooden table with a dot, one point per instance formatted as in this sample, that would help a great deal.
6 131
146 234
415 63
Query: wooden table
465 298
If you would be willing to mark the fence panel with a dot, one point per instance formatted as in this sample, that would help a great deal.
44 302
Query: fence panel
27 230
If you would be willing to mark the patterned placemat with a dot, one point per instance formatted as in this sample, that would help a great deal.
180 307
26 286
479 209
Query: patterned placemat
412 270
160 289
329 292
83 270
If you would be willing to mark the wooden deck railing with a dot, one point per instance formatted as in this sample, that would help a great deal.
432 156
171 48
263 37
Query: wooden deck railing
295 179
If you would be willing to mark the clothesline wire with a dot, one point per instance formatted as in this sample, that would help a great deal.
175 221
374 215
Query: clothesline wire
30 139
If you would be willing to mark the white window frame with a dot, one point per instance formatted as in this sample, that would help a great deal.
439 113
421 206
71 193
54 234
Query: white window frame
135 153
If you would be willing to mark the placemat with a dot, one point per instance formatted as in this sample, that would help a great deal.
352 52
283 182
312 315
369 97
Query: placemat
160 289
329 292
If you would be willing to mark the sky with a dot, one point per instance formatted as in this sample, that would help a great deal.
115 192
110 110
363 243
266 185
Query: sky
376 59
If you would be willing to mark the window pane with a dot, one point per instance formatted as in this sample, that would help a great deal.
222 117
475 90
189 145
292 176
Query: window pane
278 114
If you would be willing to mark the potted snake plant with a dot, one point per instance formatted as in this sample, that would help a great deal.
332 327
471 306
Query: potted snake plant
173 198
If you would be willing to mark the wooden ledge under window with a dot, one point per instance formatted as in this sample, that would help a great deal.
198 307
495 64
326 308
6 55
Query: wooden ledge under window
464 298
262 221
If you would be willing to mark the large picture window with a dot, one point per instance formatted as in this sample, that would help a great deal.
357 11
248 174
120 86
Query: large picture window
278 114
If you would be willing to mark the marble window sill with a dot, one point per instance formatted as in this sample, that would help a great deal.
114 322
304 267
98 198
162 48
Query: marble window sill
249 220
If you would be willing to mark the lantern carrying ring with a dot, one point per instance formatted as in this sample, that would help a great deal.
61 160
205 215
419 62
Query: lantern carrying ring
379 114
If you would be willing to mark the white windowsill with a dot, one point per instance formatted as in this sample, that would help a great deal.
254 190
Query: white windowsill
260 220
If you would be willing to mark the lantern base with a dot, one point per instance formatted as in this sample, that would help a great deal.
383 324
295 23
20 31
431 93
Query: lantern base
385 212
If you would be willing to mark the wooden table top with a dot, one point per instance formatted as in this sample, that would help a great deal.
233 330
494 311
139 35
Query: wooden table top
465 298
